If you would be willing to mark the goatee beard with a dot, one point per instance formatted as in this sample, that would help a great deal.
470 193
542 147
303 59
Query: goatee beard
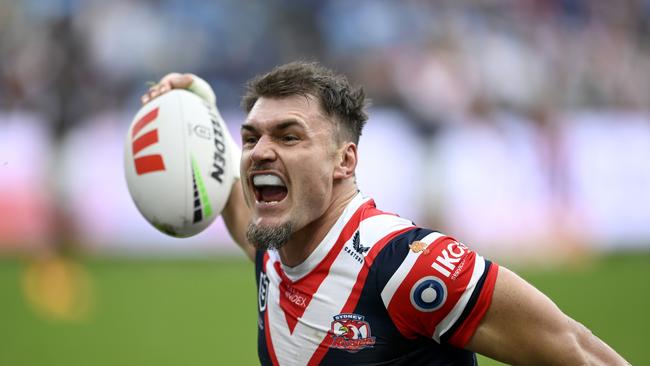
269 237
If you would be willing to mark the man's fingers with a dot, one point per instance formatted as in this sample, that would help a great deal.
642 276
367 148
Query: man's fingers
176 80
153 92
168 82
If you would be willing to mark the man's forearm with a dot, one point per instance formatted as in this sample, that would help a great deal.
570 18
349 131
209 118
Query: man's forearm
595 350
236 216
524 327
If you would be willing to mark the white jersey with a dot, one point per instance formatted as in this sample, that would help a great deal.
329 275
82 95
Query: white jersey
376 289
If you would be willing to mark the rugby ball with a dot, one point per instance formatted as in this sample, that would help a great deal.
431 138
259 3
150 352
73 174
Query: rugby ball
178 163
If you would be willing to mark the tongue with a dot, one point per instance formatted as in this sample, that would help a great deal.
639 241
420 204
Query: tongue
273 193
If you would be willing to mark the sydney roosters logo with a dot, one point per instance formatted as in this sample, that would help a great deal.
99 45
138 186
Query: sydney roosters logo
146 163
351 332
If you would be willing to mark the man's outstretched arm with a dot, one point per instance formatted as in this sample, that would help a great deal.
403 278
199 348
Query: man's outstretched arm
524 327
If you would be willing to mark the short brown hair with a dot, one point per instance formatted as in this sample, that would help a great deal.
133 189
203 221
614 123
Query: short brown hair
338 98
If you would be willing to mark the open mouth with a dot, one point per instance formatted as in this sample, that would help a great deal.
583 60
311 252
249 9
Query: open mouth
269 188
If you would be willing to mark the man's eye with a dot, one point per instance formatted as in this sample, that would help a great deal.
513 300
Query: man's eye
290 138
249 140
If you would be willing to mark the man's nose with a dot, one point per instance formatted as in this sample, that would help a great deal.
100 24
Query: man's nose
263 150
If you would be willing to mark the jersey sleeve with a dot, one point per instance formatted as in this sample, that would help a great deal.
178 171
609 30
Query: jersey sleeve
442 289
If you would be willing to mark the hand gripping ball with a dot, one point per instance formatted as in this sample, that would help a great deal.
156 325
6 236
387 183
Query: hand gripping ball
180 163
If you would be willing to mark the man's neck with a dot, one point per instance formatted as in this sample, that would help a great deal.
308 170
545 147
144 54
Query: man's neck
306 240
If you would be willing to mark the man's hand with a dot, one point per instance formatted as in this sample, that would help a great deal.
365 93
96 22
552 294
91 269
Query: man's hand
170 81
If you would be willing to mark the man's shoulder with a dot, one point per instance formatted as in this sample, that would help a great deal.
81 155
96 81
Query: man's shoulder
399 244
377 230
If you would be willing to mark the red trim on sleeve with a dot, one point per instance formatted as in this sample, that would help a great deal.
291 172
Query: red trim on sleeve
464 333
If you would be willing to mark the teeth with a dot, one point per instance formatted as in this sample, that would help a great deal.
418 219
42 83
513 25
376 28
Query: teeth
267 180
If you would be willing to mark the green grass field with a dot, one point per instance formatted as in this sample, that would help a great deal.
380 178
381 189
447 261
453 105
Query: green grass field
203 312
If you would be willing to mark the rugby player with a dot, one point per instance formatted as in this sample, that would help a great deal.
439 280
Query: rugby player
342 282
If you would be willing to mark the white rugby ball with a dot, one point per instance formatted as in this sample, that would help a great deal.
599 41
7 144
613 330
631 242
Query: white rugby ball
178 163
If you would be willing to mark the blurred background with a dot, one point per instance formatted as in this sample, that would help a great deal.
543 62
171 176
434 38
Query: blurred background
520 127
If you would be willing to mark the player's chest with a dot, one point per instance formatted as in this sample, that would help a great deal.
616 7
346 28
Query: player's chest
304 319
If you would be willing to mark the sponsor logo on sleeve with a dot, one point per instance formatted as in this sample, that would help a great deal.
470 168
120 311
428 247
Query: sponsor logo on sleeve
428 294
450 260
351 332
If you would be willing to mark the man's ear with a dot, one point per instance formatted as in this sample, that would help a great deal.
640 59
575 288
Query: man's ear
347 161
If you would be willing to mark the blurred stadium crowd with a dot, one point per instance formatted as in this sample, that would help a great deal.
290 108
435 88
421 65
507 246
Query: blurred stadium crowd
506 123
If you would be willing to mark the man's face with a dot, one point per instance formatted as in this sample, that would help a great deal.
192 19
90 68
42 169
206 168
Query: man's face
288 161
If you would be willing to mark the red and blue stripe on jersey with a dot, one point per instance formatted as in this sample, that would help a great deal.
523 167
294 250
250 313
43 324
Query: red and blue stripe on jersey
377 280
